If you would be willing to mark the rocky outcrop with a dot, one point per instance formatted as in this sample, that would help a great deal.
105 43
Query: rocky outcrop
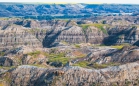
23 55
47 33
125 55
95 35
97 55
47 24
39 59
28 23
15 35
121 35
73 35
4 61
55 48
51 33
74 76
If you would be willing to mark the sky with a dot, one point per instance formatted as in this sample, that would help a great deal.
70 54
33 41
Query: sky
77 1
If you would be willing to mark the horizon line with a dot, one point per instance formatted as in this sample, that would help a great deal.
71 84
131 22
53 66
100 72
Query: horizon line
67 3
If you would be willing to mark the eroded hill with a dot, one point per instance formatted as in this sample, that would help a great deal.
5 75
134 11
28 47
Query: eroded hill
95 51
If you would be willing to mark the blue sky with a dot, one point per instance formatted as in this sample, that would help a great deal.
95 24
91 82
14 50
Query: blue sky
77 1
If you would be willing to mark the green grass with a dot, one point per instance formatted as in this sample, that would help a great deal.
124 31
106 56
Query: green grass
85 26
77 46
58 58
53 55
100 26
118 46
7 68
2 53
113 46
34 54
63 60
82 64
100 66
39 65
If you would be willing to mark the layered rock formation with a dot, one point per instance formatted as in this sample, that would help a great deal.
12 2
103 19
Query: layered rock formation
75 76
94 35
74 34
47 33
23 55
121 35
64 52
13 36
125 55
70 35
51 32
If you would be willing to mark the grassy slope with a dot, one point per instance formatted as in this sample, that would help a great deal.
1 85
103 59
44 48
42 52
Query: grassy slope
100 26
